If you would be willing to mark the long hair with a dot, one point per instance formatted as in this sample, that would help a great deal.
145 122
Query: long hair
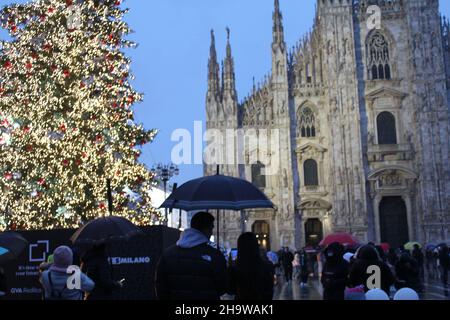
249 267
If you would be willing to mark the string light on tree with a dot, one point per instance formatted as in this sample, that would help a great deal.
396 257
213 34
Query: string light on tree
66 124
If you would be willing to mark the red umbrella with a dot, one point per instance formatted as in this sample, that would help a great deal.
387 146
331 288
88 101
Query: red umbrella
385 246
343 238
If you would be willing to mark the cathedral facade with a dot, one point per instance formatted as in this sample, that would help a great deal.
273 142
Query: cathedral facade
358 116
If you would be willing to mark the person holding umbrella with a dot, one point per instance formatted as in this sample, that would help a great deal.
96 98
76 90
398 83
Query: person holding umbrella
192 269
96 265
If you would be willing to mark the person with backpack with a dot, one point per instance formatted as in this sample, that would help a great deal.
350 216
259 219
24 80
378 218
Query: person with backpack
55 280
334 273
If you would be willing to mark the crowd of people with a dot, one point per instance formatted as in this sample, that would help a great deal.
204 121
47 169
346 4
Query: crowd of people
194 269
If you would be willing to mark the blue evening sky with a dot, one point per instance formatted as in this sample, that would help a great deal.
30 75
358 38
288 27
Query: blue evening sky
170 63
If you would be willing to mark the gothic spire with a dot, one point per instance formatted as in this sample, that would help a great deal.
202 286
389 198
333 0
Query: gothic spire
278 30
213 69
229 85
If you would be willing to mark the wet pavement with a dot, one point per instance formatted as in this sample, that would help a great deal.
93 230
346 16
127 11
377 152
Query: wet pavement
434 290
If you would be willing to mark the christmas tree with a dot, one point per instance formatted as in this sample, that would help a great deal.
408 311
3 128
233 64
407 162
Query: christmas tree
66 121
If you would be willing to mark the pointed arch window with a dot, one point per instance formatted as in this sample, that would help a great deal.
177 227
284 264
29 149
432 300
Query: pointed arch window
387 132
378 58
311 173
258 175
307 123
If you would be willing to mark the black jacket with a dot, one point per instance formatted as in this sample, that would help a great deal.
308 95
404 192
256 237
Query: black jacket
334 280
190 272
261 290
407 270
286 259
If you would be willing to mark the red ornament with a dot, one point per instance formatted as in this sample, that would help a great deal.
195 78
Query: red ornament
29 65
34 55
51 10
130 99
7 64
47 47
78 162
62 128
82 85
29 148
43 18
66 73
65 162
54 68
117 3
118 173
69 3
99 138
26 129
41 182
102 206
8 176
14 29
84 155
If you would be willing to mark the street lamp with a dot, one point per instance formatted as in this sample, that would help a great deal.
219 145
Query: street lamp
165 173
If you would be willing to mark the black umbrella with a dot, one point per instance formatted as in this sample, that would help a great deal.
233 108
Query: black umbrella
104 230
12 245
217 192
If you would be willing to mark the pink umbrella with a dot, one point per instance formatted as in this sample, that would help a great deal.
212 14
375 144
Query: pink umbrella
385 246
343 238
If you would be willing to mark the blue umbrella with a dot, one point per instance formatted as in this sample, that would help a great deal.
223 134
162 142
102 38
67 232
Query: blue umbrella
13 243
217 192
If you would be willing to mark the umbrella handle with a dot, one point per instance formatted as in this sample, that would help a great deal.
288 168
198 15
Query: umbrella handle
218 224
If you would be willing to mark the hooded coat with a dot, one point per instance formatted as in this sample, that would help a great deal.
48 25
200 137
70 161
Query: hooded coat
191 270
358 276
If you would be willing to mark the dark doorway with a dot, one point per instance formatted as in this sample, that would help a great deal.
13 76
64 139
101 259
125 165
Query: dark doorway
262 231
393 221
313 232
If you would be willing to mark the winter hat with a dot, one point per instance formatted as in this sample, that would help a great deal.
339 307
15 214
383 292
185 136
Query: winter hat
406 294
377 295
50 259
62 259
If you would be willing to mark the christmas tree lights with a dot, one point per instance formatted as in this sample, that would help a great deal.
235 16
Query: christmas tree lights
66 123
